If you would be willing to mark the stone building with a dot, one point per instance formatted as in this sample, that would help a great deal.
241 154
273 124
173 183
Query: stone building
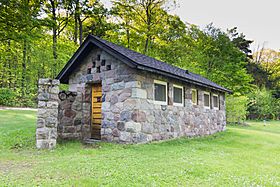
118 95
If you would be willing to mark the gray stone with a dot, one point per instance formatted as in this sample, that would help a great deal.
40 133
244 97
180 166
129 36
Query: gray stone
77 106
106 106
118 86
125 136
43 96
42 104
139 93
40 122
54 90
147 128
133 126
114 99
130 104
124 96
51 122
42 133
121 126
115 132
133 84
125 115
77 122
52 104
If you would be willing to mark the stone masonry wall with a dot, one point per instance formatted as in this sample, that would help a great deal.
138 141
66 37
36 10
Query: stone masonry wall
129 114
70 115
141 120
117 87
46 131
163 122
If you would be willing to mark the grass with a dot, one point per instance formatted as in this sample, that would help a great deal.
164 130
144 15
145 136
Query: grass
241 156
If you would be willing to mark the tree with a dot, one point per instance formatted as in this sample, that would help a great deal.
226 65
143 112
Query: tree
212 54
59 13
146 17
268 63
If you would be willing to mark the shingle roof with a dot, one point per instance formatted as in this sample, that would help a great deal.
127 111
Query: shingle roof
141 61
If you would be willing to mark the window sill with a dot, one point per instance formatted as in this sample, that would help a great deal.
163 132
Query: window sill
160 102
178 104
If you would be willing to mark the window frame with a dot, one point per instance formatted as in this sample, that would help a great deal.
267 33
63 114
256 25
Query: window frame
196 91
182 88
166 92
207 93
218 102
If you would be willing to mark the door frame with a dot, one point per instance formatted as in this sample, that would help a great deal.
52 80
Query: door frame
91 109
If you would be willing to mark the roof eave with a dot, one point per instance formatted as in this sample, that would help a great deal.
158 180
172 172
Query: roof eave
145 68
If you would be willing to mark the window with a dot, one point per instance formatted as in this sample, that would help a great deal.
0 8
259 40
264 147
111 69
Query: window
160 91
216 101
194 96
178 96
206 99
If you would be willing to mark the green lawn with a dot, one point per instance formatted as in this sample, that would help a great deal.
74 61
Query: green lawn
241 156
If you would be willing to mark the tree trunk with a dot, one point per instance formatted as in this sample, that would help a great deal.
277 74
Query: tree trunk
80 30
54 30
76 27
23 71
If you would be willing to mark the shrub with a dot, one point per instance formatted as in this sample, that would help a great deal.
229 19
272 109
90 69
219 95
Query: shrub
7 97
263 105
236 108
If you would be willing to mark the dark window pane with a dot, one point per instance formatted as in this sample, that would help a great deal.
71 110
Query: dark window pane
206 100
178 95
160 92
215 101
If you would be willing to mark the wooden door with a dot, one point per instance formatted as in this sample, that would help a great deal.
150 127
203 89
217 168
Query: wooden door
96 111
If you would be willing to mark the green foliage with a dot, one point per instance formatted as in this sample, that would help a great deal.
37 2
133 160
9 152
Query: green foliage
263 105
7 97
39 37
236 108
212 54
181 162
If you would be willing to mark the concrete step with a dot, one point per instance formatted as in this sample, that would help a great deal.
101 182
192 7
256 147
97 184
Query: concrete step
91 141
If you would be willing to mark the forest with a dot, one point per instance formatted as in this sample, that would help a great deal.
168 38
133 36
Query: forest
38 37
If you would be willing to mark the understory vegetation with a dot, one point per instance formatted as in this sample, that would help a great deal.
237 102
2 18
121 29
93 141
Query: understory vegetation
240 156
39 37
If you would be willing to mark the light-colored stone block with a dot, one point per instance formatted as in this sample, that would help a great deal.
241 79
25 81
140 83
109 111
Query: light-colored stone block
139 93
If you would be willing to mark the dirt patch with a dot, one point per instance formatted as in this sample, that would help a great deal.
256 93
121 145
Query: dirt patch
14 167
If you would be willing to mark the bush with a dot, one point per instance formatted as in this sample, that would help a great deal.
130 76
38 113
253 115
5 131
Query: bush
263 105
236 108
7 97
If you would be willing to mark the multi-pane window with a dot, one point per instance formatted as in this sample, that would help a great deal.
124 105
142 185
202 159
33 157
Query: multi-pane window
160 92
215 101
194 96
178 96
206 99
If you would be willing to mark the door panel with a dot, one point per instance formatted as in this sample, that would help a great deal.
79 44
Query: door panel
96 111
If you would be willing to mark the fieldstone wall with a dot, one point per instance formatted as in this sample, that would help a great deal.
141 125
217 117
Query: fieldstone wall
129 114
47 117
118 83
160 122
70 115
